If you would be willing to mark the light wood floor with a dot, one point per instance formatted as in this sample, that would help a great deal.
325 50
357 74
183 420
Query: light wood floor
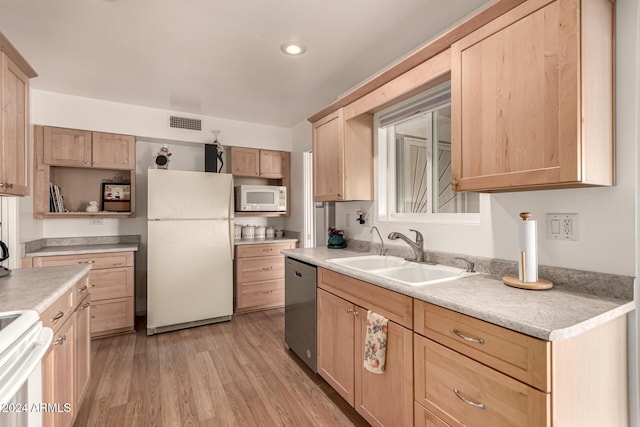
236 373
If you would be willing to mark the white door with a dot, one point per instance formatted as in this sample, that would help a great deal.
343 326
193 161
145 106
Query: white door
187 194
190 273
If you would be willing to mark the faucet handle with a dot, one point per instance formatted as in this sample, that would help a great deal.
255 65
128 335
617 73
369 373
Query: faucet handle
470 265
418 235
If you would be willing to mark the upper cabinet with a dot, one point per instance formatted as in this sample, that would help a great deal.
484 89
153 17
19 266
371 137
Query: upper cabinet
532 99
71 165
264 167
343 158
81 148
14 120
259 163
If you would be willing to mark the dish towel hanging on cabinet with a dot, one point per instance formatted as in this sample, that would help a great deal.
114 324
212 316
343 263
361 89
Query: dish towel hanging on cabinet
375 343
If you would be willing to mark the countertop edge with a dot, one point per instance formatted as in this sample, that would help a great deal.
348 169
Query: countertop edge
70 250
555 334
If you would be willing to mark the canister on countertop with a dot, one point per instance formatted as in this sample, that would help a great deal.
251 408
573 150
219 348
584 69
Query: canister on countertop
279 233
237 231
248 231
260 232
270 233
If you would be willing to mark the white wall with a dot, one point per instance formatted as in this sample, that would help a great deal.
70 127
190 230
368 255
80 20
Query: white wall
606 215
301 141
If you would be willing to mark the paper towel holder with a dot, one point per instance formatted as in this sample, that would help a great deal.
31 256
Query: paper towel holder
540 284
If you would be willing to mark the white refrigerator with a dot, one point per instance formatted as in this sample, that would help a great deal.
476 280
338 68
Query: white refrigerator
189 249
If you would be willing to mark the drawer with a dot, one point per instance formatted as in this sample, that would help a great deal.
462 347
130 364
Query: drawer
111 283
426 418
102 260
515 354
111 316
259 269
260 295
80 290
263 249
392 305
58 312
460 390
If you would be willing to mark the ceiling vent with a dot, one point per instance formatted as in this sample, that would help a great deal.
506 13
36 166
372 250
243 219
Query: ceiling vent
185 123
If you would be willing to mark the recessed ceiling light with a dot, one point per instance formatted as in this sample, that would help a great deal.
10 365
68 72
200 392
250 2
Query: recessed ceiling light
293 48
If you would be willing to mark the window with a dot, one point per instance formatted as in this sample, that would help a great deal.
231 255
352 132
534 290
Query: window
414 162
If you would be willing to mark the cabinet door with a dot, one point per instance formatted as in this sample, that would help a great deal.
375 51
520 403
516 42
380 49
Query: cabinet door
335 343
245 161
67 147
274 164
63 373
83 349
515 100
328 158
111 316
14 155
373 391
113 151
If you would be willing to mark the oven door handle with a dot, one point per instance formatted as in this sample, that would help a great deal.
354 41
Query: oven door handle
18 375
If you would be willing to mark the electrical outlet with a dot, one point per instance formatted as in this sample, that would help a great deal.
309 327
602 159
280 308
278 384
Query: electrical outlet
561 226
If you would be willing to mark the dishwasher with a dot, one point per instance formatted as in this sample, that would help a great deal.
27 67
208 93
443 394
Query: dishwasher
300 310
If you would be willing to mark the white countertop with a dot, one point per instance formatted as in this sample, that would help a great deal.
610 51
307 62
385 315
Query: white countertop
38 288
555 314
260 241
84 249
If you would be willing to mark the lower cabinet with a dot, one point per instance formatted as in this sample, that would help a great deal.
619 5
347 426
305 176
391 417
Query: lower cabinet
111 286
259 276
66 367
382 399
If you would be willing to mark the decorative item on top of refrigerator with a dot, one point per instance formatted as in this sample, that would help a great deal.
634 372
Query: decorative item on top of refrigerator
528 257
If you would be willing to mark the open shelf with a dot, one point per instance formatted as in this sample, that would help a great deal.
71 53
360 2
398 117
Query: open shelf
88 214
239 214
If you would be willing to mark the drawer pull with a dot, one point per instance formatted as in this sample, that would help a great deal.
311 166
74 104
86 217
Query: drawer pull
468 402
475 340
61 340
85 305
57 317
84 288
267 250
267 292
267 268
86 262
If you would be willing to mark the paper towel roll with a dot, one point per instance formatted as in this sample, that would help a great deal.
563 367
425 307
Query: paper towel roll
528 249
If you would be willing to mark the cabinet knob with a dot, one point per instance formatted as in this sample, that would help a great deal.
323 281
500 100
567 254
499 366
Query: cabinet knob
454 183
85 305
95 163
355 313
1 184
87 163
349 310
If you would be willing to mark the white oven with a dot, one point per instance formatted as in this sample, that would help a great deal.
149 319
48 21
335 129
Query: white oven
23 343
260 198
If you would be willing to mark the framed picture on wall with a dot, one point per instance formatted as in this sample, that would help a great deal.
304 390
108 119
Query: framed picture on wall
116 197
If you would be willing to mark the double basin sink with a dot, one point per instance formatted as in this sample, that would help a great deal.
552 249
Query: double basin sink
403 271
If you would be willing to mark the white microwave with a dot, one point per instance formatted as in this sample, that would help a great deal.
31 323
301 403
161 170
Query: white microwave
261 198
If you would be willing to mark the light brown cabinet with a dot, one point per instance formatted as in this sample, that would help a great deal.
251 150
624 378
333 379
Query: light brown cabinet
470 372
532 99
342 313
254 162
66 366
81 148
111 286
343 158
259 276
79 161
14 120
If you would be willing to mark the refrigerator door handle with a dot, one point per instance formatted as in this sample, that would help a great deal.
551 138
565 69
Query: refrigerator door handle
231 219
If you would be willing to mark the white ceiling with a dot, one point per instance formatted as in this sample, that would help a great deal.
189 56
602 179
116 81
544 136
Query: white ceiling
220 58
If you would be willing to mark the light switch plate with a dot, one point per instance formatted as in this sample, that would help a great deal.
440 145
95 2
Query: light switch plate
562 226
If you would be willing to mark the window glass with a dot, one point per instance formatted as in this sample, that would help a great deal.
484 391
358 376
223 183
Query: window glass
416 136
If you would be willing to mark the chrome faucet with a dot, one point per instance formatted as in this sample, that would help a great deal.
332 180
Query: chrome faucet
382 248
417 246
470 265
